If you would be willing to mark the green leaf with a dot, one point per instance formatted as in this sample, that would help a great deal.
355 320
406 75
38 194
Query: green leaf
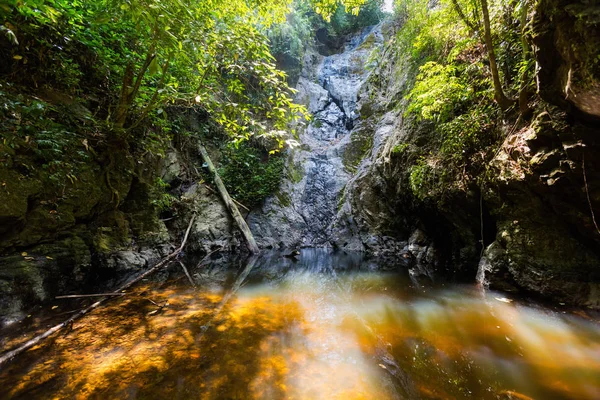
153 67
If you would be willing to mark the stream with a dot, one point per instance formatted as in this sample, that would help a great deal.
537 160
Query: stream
325 326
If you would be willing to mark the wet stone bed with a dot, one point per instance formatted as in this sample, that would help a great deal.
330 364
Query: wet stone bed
328 326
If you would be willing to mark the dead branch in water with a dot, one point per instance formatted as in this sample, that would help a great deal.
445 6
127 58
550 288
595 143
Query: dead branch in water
208 255
187 274
160 307
29 344
76 296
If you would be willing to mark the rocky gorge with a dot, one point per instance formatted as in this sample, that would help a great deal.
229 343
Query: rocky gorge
304 199
528 226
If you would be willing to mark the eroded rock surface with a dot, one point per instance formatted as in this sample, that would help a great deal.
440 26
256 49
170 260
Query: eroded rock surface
304 210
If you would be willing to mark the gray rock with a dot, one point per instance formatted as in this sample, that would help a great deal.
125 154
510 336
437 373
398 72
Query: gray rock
213 226
304 210
171 166
312 95
125 261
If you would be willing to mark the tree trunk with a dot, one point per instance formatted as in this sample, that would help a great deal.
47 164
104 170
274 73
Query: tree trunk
235 213
504 102
123 106
470 24
523 90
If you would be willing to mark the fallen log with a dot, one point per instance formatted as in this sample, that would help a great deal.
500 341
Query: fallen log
29 344
234 200
235 213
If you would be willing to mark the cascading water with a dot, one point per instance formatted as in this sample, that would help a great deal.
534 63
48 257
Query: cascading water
303 211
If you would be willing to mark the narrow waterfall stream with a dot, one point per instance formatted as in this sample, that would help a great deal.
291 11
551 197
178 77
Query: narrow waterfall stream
329 86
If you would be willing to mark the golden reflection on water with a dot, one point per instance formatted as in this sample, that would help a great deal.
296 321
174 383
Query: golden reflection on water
315 336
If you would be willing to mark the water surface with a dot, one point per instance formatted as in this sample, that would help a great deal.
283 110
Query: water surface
329 326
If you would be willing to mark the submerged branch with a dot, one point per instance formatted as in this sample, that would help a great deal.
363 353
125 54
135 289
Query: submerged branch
6 357
76 296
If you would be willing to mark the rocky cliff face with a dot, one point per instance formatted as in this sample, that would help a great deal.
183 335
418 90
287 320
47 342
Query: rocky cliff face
58 236
335 195
102 226
528 227
548 240
532 226
534 212
303 212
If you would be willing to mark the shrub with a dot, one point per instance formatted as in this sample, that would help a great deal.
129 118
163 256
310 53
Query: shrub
250 173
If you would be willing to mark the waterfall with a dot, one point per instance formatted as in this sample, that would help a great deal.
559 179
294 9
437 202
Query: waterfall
302 212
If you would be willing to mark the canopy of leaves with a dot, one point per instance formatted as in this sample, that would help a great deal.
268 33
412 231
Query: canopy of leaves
138 56
453 85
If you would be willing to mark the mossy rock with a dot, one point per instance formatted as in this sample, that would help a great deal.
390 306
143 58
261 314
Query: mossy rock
361 142
43 222
567 34
85 193
295 171
15 193
284 199
112 232
34 276
143 214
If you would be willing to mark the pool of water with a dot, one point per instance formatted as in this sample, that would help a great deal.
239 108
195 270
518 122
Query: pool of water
328 326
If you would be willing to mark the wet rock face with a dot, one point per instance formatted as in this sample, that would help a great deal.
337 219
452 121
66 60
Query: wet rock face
304 210
567 42
536 221
546 241
213 226
336 195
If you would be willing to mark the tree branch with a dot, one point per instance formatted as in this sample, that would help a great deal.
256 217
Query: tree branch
29 344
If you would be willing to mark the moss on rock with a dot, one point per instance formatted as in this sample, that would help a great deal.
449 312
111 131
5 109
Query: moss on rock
361 142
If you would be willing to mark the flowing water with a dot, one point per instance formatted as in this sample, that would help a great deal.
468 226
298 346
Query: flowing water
328 326
304 209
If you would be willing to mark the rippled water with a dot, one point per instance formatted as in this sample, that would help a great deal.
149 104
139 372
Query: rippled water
330 326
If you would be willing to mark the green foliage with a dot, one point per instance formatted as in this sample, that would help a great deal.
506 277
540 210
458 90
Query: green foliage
327 8
130 67
149 53
420 173
346 20
467 133
32 137
427 33
437 92
400 148
453 88
289 39
250 173
161 198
